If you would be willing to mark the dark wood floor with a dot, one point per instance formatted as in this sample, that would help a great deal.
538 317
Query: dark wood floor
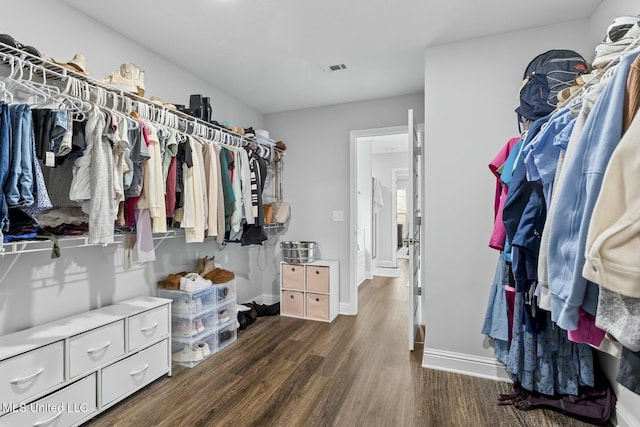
356 371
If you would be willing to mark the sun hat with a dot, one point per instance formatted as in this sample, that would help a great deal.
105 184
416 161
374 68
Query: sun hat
78 63
129 77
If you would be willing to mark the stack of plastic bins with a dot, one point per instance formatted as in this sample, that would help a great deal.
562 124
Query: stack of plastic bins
193 326
227 315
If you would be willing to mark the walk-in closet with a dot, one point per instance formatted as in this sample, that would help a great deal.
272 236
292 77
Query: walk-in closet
179 214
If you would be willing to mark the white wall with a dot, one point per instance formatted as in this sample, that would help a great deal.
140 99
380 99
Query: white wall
60 31
470 97
382 165
33 287
318 165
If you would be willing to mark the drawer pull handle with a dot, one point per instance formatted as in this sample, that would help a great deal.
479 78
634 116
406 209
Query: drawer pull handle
291 296
139 371
102 347
28 377
317 271
155 325
293 269
48 421
317 299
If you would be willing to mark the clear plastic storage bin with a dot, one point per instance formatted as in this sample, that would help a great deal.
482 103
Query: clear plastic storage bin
189 304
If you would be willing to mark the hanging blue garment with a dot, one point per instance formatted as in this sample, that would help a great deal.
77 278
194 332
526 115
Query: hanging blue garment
541 357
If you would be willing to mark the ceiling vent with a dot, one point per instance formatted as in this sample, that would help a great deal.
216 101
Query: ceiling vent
336 67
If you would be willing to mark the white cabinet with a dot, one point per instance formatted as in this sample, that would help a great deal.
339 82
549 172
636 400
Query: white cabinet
311 290
64 372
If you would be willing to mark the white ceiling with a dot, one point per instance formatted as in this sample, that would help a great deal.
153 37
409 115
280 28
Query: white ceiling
270 54
387 144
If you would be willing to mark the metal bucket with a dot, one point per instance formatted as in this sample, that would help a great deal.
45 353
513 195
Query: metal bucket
298 252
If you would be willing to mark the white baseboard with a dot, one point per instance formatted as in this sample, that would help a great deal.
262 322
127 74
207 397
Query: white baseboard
385 263
475 366
624 418
346 308
267 299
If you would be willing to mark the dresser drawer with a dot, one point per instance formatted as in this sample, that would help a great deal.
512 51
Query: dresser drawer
317 278
292 276
292 303
128 375
147 327
65 407
31 373
95 348
318 306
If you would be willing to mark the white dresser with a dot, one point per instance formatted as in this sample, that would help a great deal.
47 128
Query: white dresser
64 372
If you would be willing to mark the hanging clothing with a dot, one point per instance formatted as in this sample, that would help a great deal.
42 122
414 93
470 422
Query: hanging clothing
5 156
226 162
152 193
498 234
213 186
540 356
19 184
242 161
584 166
194 216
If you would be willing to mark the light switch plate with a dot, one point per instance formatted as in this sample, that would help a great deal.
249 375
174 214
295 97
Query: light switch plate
338 216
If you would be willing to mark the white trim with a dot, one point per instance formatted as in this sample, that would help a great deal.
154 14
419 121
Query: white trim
385 263
267 299
624 418
466 364
352 300
396 174
345 309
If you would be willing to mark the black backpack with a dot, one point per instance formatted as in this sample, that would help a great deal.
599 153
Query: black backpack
545 76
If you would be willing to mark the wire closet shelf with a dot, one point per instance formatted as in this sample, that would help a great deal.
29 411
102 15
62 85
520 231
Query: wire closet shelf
27 67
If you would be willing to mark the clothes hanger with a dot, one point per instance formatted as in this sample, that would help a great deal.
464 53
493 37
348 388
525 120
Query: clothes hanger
15 81
7 96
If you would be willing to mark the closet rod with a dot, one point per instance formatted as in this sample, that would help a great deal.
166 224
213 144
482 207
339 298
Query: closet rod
50 71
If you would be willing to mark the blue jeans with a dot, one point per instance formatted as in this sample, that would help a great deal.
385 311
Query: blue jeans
5 161
19 185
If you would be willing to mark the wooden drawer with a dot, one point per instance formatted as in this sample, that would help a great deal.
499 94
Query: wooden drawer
144 328
95 348
65 407
318 306
31 373
292 276
128 375
317 278
292 303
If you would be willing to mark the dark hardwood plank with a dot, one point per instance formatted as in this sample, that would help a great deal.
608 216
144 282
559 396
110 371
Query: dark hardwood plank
355 371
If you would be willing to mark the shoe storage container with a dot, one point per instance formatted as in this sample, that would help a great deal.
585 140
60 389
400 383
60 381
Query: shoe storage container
198 321
225 292
227 334
189 304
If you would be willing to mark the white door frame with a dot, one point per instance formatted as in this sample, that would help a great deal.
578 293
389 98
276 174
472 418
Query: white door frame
352 305
396 173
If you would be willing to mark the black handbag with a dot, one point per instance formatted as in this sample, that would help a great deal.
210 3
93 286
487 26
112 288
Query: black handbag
253 234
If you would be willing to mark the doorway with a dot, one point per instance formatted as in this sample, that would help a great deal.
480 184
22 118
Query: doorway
373 227
401 224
